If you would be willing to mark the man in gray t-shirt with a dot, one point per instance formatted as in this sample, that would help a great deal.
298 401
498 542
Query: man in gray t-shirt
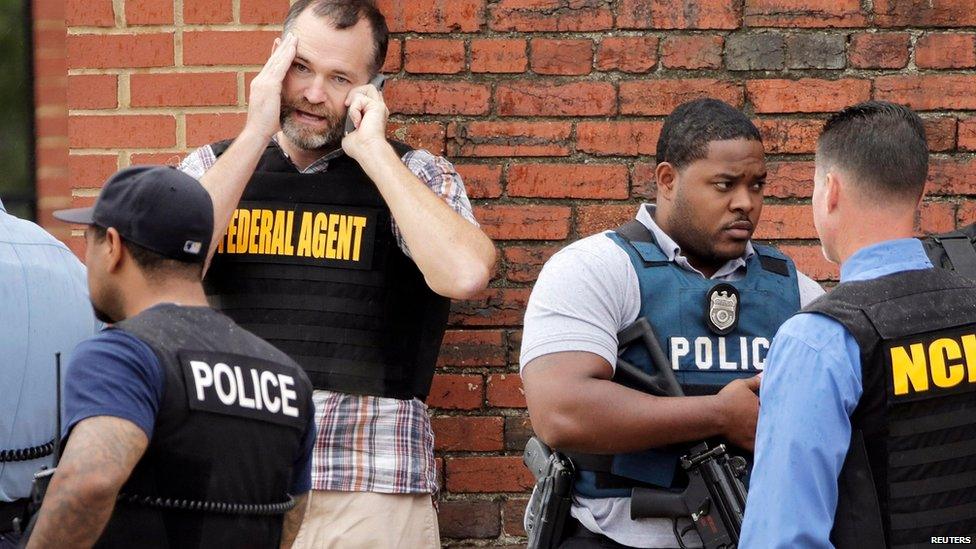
710 181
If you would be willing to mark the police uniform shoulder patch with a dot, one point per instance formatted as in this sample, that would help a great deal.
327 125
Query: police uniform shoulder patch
242 386
722 308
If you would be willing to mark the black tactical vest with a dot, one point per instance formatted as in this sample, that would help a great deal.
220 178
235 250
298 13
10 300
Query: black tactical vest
910 473
310 263
229 429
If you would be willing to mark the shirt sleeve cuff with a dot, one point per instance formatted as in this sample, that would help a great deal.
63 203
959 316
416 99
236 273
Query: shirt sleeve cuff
111 412
562 346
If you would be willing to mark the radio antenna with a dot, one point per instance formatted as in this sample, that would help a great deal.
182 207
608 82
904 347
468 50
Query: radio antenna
57 432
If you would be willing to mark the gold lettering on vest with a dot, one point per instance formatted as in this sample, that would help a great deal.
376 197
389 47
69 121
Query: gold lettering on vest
360 224
243 231
969 346
289 247
252 242
231 231
305 236
318 248
321 235
267 225
344 241
278 234
905 369
333 232
940 363
946 375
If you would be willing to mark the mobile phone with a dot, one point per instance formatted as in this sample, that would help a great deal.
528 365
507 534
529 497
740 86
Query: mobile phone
378 82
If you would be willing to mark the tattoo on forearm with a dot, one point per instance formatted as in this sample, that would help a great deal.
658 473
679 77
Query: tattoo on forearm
98 459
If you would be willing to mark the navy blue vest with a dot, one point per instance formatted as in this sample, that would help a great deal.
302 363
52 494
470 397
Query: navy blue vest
675 302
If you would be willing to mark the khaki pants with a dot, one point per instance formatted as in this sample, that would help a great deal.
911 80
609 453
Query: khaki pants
368 520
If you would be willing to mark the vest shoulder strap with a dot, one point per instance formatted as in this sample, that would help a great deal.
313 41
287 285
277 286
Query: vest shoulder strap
635 231
846 306
961 251
772 260
642 241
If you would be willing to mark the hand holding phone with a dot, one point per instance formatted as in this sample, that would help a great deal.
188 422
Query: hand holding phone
378 82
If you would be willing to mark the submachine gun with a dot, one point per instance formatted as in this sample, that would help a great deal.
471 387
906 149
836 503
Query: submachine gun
714 499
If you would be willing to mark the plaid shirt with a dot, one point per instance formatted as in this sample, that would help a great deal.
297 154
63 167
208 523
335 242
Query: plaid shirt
366 443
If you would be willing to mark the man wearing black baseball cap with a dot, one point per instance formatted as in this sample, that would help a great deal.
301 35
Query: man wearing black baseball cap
181 429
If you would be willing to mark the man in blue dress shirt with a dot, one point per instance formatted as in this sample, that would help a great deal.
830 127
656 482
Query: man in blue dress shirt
867 426
45 310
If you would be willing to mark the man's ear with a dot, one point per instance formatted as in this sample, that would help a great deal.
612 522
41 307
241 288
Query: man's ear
832 191
115 250
666 176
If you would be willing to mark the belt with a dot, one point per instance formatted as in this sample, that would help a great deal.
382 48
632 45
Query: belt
9 510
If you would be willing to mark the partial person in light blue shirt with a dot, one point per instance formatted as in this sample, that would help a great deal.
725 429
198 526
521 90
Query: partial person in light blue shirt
810 388
871 167
44 309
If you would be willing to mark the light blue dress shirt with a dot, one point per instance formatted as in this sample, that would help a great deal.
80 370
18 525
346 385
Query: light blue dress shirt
810 388
44 309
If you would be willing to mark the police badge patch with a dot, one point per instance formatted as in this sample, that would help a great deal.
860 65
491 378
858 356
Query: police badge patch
722 308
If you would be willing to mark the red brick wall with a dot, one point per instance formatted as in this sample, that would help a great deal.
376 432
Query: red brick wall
51 112
551 109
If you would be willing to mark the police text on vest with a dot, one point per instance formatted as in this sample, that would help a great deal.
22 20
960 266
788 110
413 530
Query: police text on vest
248 388
718 353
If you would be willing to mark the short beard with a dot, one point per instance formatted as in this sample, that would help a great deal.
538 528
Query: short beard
102 315
694 242
306 138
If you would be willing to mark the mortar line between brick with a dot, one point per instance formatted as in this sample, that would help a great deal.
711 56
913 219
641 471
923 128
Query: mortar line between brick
186 69
241 90
118 7
178 34
181 130
158 111
156 29
125 91
93 151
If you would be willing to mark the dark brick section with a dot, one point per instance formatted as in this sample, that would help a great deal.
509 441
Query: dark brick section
515 343
517 433
755 52
513 511
816 51
469 519
879 50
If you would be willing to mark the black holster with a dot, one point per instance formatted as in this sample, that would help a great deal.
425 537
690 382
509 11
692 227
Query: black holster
547 512
25 525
